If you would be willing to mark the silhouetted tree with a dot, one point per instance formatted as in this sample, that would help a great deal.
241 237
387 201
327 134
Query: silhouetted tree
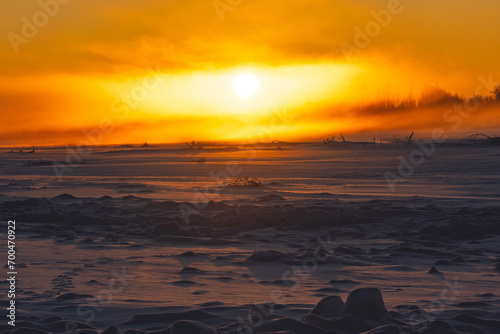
435 96
496 92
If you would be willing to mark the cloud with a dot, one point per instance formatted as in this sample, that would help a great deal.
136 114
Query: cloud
68 75
114 36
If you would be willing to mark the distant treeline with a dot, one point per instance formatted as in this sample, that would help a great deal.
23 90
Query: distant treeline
432 96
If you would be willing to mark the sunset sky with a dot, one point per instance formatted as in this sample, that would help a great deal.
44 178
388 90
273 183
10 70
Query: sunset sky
161 71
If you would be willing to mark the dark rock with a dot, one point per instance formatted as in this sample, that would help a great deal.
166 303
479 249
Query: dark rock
64 197
328 290
105 198
94 282
187 254
183 283
332 306
488 295
268 256
191 270
343 281
366 303
433 270
260 313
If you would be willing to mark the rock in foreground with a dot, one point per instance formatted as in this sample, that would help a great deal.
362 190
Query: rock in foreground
366 303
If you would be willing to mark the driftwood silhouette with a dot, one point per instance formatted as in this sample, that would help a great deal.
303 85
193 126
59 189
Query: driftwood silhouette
481 138
329 141
409 139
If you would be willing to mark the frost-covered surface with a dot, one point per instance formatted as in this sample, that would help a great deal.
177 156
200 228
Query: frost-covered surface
122 240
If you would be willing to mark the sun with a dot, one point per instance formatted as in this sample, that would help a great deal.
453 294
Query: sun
246 85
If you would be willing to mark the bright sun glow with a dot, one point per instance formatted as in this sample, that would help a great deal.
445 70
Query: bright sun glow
246 85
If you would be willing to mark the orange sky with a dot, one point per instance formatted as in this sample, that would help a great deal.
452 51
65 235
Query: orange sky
161 71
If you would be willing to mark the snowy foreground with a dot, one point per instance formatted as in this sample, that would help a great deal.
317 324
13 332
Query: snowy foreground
357 239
